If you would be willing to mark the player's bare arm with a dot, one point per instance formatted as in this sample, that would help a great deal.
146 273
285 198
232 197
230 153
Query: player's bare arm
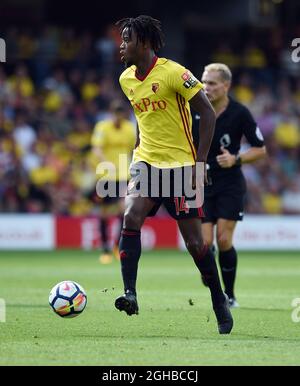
137 136
228 160
203 107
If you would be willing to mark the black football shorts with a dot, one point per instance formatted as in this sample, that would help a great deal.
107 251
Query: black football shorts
225 197
175 201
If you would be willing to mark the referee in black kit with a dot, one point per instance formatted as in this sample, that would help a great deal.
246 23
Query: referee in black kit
225 194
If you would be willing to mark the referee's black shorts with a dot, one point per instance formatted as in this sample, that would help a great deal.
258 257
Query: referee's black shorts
225 197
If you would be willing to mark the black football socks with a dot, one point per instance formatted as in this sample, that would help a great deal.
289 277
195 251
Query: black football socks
130 252
206 264
228 264
117 240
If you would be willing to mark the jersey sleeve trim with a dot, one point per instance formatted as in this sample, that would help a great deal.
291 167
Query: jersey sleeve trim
184 119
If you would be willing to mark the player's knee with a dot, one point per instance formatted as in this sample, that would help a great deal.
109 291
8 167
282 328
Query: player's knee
132 219
194 246
224 241
208 235
208 241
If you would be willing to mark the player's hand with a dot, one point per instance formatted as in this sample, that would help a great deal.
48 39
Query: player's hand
226 159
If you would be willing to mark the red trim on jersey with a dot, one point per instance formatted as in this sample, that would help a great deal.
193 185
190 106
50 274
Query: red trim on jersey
185 126
141 78
186 115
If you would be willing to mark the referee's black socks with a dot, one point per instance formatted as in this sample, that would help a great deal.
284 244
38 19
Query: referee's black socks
228 264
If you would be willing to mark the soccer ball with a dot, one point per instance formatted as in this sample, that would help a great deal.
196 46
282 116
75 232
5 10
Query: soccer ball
67 299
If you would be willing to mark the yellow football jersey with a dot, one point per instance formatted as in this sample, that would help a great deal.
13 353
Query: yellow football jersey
160 103
115 141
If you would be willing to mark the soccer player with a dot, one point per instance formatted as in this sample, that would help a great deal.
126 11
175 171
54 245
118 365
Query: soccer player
110 139
160 91
225 194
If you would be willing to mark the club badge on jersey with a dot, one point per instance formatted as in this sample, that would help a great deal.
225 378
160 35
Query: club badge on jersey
155 87
225 140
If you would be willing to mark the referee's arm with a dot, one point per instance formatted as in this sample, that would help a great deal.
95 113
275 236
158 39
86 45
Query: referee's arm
227 160
254 137
253 154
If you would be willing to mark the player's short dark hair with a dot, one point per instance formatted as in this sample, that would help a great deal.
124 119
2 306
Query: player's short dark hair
146 29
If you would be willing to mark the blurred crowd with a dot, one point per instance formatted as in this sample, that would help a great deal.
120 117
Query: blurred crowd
56 86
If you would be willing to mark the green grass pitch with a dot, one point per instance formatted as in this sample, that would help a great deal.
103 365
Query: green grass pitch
176 325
